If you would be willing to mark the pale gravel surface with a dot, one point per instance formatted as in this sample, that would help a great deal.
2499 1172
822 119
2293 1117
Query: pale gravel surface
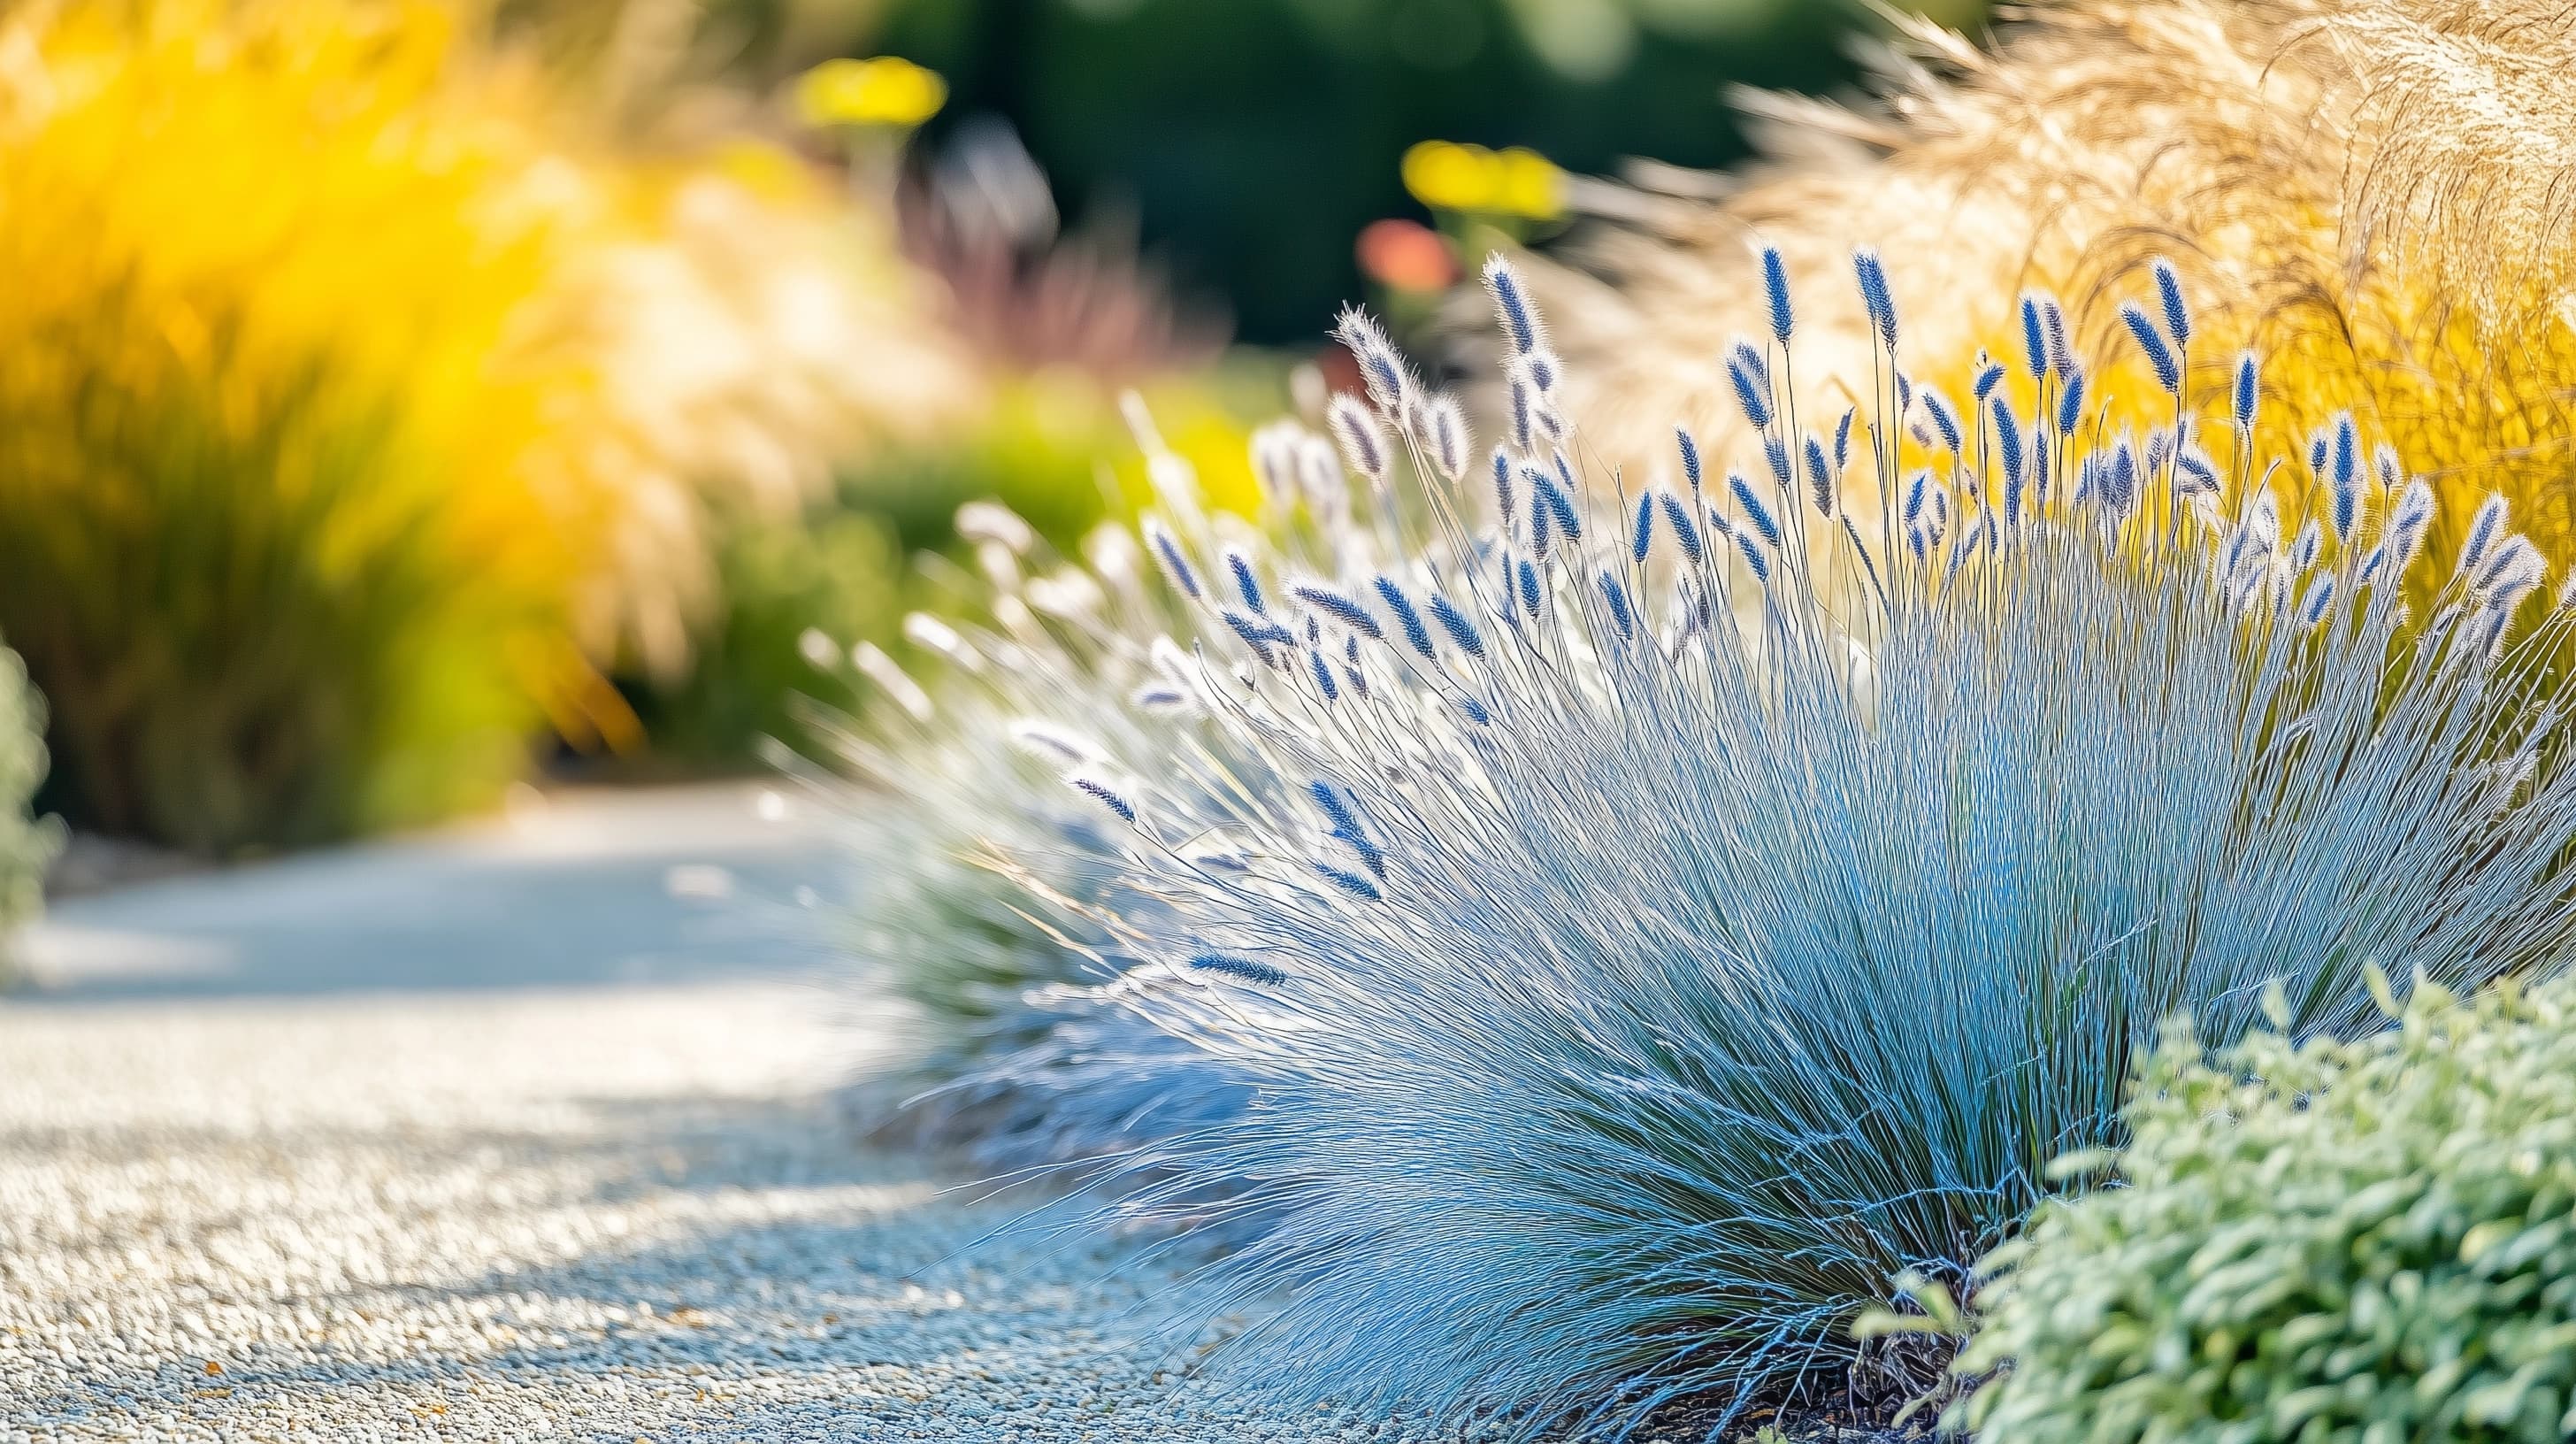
614 1211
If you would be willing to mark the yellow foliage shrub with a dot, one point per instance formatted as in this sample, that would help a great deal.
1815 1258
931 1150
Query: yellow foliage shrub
355 400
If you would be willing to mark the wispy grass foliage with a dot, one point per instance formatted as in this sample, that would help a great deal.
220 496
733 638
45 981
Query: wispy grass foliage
1650 929
2362 1239
2369 192
1023 1037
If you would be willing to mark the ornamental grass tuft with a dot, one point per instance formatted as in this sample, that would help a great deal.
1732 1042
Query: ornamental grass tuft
1644 934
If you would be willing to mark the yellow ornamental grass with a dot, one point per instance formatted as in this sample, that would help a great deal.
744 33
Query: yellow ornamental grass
2375 194
353 407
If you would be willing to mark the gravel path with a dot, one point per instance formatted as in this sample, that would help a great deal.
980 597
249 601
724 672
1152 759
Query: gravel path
613 1211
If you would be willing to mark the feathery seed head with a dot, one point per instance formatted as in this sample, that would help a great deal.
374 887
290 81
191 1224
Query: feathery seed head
1775 294
1775 450
1512 307
1522 423
1242 969
2169 293
1364 444
1755 513
1560 506
2121 480
1407 620
1874 295
2007 442
2320 597
1382 368
1748 391
2513 570
1820 479
2034 339
2159 353
1106 796
1323 674
1685 534
2485 530
1446 438
1945 418
1340 608
1050 743
1320 478
1616 598
1246 584
1453 621
1349 882
1543 370
2408 523
1755 557
2305 546
1274 459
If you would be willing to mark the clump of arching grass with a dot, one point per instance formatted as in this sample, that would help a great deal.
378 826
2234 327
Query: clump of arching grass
1652 921
1020 1036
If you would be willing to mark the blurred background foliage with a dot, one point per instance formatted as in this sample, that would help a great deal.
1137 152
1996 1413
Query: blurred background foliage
398 395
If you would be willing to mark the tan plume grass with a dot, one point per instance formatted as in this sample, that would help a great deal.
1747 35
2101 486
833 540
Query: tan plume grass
2375 194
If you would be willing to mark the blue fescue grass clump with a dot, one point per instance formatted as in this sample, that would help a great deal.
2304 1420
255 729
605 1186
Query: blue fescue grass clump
1668 925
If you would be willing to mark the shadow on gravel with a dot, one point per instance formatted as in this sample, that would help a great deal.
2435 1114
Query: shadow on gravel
656 886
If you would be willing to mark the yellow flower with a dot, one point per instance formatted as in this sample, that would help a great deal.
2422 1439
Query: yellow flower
1528 184
888 90
1447 176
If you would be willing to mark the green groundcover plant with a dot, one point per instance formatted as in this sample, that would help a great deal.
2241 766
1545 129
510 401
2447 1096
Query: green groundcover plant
26 843
2369 1240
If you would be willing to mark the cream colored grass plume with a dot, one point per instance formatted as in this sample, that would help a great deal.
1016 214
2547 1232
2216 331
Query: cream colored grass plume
2375 194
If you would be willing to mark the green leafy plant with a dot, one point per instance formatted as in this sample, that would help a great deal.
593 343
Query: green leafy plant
26 843
2370 1240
